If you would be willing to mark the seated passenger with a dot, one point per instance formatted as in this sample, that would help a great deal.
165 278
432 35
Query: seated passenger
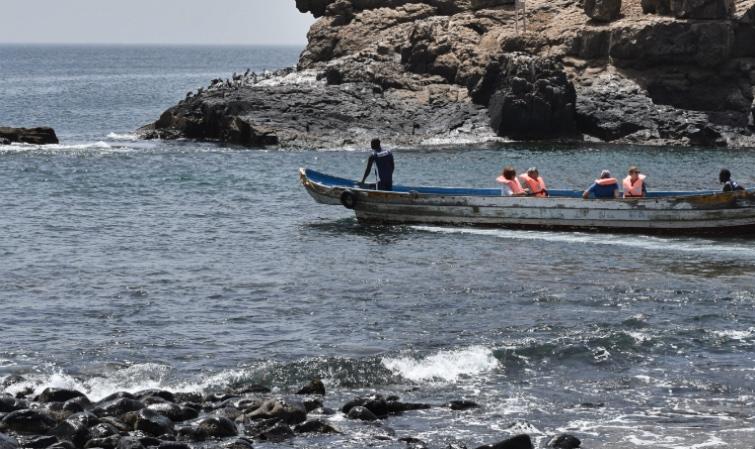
509 184
634 184
729 184
605 187
534 182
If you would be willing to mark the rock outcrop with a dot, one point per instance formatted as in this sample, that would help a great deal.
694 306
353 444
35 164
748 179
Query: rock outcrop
36 136
603 10
421 72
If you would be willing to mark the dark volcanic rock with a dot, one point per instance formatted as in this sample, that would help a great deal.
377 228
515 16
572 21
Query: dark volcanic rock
239 443
39 442
13 379
62 445
58 395
173 445
603 10
10 404
532 98
291 413
110 442
153 423
218 426
362 413
164 394
615 109
27 421
462 405
172 411
37 136
315 426
7 442
76 428
517 442
430 72
314 387
130 443
117 423
118 407
564 441
691 9
191 434
277 433
103 430
316 115
77 404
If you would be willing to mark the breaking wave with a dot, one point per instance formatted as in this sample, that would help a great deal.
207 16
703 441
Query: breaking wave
448 366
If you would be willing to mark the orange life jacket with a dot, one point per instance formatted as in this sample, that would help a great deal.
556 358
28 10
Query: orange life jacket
537 186
606 181
633 190
513 184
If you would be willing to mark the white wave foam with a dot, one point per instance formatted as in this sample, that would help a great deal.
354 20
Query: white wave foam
130 137
737 335
446 366
132 379
698 246
21 147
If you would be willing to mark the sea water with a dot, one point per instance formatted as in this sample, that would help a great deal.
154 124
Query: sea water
128 264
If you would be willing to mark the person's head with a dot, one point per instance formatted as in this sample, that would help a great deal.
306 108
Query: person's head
509 172
634 172
724 175
533 173
375 144
605 174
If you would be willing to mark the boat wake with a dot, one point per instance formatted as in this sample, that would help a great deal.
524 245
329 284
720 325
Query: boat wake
670 244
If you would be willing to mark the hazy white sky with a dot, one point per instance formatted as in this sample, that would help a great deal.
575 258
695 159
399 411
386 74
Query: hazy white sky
153 21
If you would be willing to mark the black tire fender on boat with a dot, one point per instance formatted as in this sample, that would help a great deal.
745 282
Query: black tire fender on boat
348 199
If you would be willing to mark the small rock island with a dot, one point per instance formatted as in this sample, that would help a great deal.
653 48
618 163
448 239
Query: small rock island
425 72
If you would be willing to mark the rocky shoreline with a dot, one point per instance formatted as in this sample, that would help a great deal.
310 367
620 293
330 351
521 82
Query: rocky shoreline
434 72
233 419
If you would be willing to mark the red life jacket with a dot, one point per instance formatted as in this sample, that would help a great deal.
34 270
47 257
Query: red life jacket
536 186
633 190
513 184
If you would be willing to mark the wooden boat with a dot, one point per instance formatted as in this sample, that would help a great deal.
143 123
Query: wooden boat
697 212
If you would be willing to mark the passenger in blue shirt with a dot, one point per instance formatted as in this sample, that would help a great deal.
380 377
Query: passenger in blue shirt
603 188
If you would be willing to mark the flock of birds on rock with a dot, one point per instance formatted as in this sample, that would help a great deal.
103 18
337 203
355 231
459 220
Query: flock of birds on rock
238 80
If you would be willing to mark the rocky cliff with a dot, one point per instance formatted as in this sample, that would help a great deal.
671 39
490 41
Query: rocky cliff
431 71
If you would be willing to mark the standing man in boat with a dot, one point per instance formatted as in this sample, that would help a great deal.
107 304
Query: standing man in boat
383 162
534 182
603 188
729 184
634 184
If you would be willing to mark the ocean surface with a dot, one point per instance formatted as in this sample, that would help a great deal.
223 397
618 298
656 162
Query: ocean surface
128 264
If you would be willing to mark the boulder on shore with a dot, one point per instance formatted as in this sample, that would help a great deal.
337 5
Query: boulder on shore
36 136
7 442
603 10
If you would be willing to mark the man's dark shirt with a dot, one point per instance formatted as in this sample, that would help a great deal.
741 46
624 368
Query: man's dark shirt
383 161
731 186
